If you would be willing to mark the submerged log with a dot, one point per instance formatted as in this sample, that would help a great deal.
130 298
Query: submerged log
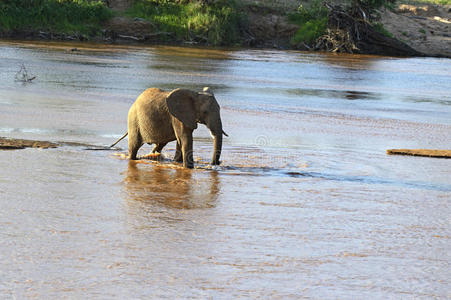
421 152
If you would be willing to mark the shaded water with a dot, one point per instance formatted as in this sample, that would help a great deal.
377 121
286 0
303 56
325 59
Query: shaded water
305 204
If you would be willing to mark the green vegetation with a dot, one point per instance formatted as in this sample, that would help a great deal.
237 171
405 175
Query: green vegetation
310 31
437 2
60 16
215 24
312 21
380 28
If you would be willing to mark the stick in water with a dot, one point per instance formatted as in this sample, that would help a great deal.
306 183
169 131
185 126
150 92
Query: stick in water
123 137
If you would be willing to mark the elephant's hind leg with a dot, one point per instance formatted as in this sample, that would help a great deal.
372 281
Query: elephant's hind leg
158 148
155 154
134 143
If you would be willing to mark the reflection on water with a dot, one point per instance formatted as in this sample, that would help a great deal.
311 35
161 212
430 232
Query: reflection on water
306 203
172 187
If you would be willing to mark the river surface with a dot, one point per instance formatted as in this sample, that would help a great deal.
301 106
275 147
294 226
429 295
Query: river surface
306 203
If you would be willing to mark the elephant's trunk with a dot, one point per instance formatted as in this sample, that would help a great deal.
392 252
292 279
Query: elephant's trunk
217 148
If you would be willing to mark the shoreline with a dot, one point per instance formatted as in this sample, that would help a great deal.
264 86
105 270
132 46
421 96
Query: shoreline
126 41
422 27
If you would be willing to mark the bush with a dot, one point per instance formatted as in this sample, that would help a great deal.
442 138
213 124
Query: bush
312 21
63 16
310 31
216 24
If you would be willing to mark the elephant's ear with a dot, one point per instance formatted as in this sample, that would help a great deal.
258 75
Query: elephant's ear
181 105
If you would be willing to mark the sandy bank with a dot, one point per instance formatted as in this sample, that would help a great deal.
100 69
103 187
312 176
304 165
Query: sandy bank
425 28
17 144
14 144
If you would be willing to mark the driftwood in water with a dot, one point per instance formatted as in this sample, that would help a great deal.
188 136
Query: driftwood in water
349 31
421 152
22 75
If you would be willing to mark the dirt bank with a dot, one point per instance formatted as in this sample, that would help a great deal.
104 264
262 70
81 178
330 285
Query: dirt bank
425 28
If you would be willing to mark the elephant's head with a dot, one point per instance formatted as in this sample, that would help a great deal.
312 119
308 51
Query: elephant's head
191 108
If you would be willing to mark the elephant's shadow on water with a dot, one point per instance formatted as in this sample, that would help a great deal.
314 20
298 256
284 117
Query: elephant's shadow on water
172 187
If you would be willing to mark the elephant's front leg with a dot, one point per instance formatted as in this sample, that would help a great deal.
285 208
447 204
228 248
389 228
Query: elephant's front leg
185 139
187 150
178 157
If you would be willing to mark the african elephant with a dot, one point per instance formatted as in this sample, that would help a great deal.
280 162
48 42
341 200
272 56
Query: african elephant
159 117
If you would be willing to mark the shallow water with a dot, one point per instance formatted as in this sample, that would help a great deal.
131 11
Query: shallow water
305 204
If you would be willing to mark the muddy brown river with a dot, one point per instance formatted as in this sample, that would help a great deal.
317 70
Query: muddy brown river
306 203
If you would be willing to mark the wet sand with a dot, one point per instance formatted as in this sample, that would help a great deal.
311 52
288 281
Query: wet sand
306 202
14 144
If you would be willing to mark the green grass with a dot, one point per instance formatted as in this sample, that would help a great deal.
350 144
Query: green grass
214 24
381 29
59 16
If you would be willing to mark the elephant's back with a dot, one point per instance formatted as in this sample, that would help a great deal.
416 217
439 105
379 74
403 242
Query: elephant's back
150 96
151 116
152 93
151 104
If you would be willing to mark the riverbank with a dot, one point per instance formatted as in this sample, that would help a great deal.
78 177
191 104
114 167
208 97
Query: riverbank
422 27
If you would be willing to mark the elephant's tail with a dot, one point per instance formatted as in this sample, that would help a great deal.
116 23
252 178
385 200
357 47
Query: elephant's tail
123 137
